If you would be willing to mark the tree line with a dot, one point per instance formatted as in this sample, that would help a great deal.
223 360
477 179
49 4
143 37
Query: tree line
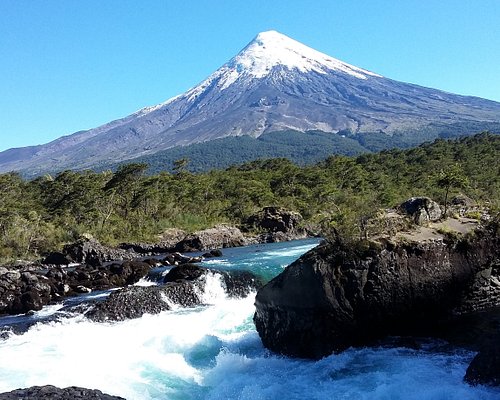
41 214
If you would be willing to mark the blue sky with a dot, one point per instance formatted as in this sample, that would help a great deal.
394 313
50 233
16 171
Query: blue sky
70 65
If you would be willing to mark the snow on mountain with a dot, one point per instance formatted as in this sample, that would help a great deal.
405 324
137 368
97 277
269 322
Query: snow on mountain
271 48
275 83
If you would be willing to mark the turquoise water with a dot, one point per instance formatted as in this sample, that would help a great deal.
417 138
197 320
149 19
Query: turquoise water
214 352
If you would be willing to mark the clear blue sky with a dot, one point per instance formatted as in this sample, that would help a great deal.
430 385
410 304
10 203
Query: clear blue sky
71 65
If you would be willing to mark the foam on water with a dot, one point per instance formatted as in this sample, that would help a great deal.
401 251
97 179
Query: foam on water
214 352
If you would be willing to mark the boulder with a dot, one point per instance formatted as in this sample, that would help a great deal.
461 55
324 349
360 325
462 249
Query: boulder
485 367
421 209
221 236
186 272
213 253
185 287
88 250
23 291
179 259
275 219
166 243
346 294
128 303
56 258
49 392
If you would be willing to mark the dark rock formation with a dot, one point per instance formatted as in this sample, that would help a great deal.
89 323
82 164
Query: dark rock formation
185 287
339 295
214 238
485 367
53 393
23 291
56 258
213 253
280 225
147 248
240 283
275 219
128 303
188 272
88 250
166 243
422 210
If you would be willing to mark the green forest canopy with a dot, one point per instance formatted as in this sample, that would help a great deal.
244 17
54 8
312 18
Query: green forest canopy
40 215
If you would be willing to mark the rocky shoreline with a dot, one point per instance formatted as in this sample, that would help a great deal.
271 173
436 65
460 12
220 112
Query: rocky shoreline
344 294
93 266
50 392
338 295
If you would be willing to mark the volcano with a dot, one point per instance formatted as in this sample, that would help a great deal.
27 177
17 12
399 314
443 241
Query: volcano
274 84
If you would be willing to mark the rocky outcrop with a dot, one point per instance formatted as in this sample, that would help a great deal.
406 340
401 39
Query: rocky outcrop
214 238
339 295
213 253
421 209
165 244
88 250
56 258
280 225
275 219
485 367
23 291
185 287
53 393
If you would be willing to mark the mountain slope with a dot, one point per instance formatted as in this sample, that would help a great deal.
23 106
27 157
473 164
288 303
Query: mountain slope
273 84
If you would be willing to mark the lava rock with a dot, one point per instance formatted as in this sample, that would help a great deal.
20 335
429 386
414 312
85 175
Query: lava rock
188 272
221 236
275 219
88 250
213 253
485 367
56 258
128 303
53 393
421 209
185 288
338 295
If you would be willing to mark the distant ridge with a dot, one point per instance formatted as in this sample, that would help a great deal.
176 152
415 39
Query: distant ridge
275 84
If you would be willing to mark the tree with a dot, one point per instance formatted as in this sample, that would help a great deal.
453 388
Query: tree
180 166
453 176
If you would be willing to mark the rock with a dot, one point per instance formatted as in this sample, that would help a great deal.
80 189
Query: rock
153 262
82 289
128 273
24 291
275 219
240 283
56 258
485 367
128 303
421 209
166 243
339 295
221 236
54 393
213 253
188 272
179 259
90 251
185 287
278 237
462 201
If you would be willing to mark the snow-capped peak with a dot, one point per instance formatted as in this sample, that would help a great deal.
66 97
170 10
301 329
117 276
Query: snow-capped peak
271 48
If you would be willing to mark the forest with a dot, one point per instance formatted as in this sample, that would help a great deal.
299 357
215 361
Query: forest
41 214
